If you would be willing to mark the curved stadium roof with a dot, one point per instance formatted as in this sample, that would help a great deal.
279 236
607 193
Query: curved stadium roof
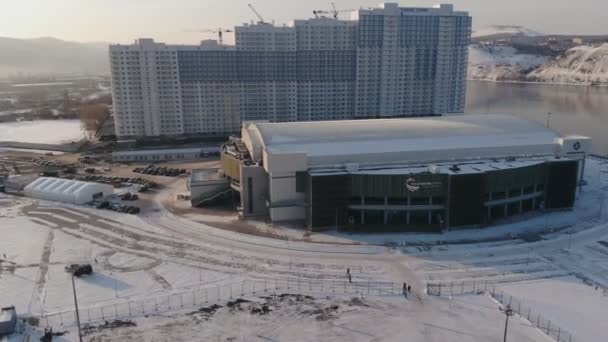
330 138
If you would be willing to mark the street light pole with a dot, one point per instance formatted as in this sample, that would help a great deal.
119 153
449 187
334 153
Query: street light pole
76 306
508 312
548 118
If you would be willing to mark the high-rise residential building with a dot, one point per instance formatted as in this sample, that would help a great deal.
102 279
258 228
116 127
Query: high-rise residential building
384 62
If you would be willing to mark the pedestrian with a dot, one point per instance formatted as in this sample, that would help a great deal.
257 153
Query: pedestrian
404 288
347 271
409 288
350 279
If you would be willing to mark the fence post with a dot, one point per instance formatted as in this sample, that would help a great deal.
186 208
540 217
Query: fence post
518 307
494 291
242 288
206 301
129 308
218 293
276 284
369 285
230 291
61 317
103 316
538 321
169 301
115 310
265 285
194 297
254 287
155 304
451 288
181 300
549 327
486 287
310 285
559 330
474 288
510 300
461 287
143 308
528 313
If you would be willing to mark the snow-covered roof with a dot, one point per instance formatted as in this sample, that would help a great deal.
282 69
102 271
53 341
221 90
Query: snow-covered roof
358 137
66 190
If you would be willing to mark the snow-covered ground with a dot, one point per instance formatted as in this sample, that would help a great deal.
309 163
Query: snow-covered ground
504 29
42 131
161 254
568 303
583 64
501 63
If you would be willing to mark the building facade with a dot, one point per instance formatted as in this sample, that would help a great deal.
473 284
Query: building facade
384 62
408 174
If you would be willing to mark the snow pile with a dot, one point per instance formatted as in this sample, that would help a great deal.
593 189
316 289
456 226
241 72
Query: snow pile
501 63
504 29
42 131
584 64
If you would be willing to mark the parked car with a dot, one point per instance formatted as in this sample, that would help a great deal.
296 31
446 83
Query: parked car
79 270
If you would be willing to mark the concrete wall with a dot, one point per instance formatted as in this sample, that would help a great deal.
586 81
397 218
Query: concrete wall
254 197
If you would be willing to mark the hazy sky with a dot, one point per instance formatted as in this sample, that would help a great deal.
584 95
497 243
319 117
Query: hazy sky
166 20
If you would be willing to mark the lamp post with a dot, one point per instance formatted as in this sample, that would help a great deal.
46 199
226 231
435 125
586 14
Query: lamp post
76 306
548 118
508 313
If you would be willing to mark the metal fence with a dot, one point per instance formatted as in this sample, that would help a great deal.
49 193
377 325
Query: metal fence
534 317
457 288
215 294
524 310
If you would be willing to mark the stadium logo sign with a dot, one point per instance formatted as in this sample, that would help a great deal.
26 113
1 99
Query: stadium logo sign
412 185
577 146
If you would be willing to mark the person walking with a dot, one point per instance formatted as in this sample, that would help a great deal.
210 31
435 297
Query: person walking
347 271
405 289
350 279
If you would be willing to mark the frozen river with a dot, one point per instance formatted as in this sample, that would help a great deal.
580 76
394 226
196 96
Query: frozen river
574 109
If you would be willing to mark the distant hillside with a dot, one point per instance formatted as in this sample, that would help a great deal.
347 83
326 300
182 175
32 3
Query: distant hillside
581 64
493 30
50 56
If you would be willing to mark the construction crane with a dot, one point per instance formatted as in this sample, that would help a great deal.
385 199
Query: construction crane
220 34
334 12
261 20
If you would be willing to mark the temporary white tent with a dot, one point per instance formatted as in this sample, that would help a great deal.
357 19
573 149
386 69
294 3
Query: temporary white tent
66 190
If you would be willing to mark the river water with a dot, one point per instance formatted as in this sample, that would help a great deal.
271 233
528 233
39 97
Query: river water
574 109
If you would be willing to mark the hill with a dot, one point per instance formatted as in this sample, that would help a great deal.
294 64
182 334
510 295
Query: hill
50 56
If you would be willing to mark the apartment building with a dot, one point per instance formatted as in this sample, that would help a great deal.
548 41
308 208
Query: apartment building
388 61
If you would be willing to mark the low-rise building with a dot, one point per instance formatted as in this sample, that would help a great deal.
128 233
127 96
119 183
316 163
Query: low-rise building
425 174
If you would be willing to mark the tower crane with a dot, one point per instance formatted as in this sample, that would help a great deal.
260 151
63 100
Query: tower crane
220 34
334 12
261 20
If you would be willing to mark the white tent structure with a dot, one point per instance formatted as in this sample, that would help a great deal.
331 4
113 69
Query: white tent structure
66 190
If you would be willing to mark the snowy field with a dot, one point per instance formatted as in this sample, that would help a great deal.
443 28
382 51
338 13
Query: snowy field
567 302
138 259
42 131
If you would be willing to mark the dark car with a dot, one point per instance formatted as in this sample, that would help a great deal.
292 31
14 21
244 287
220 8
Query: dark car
79 270
103 205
